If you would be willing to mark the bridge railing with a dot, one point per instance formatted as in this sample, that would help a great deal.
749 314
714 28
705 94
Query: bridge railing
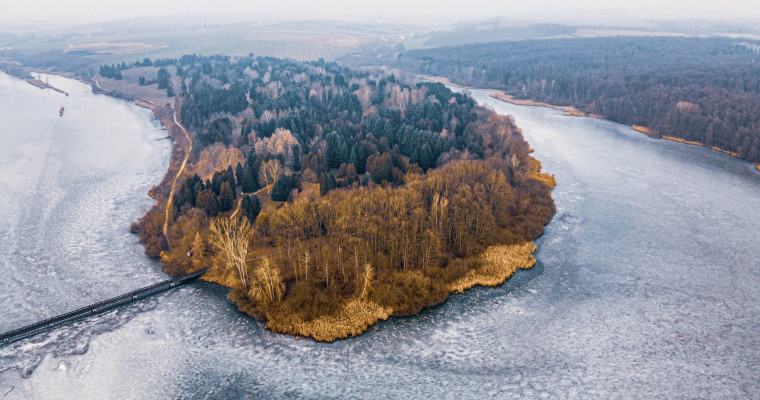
99 307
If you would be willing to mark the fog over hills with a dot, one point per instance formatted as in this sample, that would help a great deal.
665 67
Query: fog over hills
410 12
271 34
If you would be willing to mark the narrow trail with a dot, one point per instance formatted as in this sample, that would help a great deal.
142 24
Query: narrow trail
97 84
176 177
239 200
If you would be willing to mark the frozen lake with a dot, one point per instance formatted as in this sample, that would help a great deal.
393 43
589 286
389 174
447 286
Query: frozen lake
648 282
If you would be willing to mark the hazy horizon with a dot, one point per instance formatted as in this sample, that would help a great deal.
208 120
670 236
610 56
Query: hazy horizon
73 12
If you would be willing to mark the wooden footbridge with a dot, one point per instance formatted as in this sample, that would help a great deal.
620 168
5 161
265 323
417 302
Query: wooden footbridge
97 308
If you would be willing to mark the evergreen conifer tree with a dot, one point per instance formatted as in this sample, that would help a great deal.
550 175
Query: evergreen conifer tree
226 197
296 151
239 174
251 207
250 184
208 203
282 187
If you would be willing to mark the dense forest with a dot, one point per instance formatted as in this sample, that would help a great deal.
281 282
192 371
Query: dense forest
329 198
75 61
705 90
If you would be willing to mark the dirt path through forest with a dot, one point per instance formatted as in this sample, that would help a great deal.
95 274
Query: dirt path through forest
176 177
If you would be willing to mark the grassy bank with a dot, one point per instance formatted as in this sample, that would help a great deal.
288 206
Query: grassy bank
356 314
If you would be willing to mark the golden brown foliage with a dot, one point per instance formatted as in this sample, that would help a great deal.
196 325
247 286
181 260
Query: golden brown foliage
266 287
217 157
351 318
498 263
401 249
150 228
643 129
231 237
327 267
333 265
186 237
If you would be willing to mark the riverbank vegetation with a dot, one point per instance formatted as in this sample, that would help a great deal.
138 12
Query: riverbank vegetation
700 90
329 199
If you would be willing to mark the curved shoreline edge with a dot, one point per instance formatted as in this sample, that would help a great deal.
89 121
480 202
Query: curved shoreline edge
356 315
574 112
43 85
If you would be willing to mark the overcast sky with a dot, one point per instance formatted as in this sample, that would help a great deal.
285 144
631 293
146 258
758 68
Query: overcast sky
406 11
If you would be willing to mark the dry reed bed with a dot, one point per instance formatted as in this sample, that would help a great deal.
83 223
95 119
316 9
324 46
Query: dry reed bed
498 263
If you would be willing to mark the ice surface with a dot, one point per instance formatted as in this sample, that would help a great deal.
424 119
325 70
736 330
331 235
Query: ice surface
646 286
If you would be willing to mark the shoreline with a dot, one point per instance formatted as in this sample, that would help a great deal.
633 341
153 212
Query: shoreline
357 315
165 115
180 150
43 85
162 113
570 111
508 98
573 112
700 144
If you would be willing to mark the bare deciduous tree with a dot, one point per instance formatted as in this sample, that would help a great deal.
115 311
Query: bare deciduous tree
231 237
306 259
217 157
367 275
267 286
270 171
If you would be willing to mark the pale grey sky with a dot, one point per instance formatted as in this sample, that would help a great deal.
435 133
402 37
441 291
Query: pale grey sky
444 11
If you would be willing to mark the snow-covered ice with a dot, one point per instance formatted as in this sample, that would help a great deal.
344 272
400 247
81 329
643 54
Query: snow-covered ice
647 286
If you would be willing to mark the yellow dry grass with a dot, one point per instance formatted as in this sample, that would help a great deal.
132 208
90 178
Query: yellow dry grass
642 129
503 96
575 113
695 143
730 153
547 179
353 318
224 276
499 263
679 140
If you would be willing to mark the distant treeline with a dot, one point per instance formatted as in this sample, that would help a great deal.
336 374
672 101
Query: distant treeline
113 70
75 61
698 89
492 31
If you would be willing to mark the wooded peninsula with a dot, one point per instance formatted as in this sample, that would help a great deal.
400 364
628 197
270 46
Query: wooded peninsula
327 198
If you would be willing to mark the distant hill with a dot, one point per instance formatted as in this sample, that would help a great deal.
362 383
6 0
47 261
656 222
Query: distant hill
495 31
134 39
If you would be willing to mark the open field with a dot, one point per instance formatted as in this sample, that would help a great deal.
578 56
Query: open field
123 88
116 48
606 32
303 40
